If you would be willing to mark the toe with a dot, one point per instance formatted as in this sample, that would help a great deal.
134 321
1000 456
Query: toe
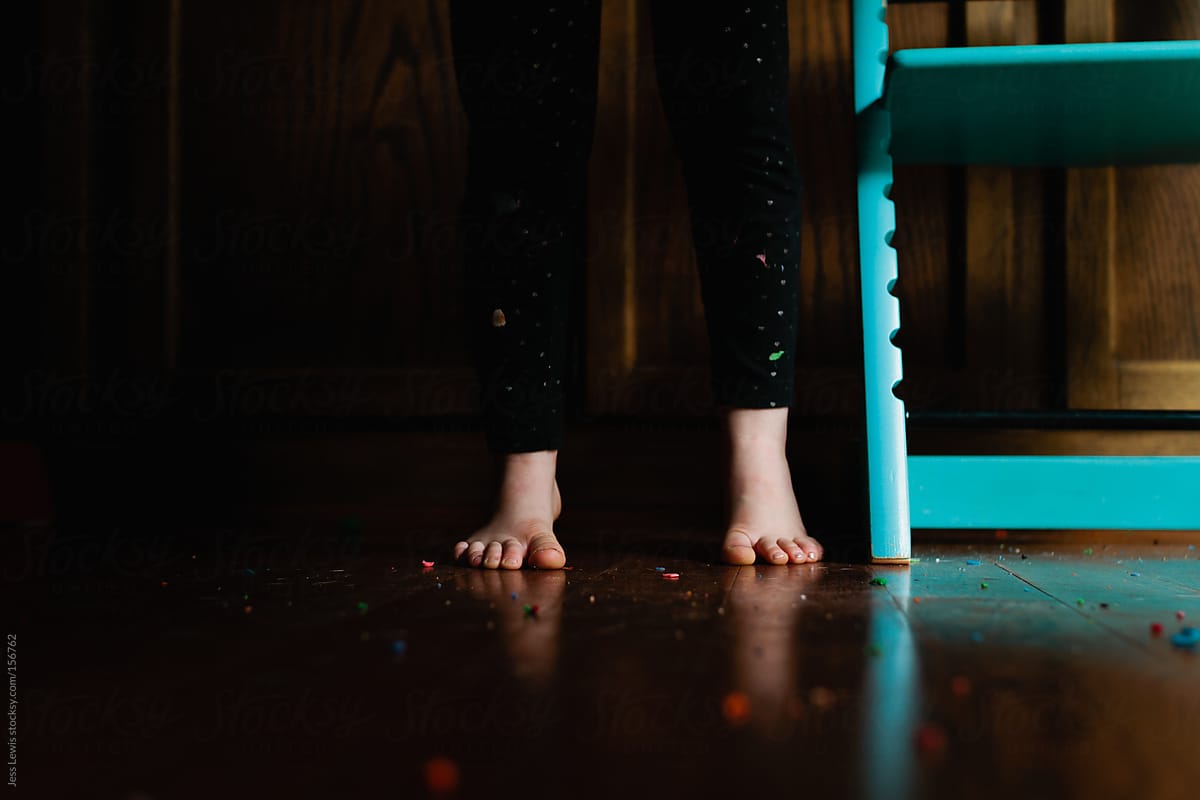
737 549
546 553
459 549
789 546
513 554
491 555
811 547
770 551
475 553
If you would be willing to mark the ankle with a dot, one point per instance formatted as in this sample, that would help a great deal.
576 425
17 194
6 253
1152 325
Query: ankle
756 427
527 481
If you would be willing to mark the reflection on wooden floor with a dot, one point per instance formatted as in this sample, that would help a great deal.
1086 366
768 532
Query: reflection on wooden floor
243 663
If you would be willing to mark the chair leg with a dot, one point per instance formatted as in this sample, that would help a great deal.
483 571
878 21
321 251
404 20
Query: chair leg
887 451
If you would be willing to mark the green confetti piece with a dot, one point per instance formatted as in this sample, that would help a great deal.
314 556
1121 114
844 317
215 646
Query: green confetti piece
776 355
1087 551
1079 602
879 581
362 607
983 585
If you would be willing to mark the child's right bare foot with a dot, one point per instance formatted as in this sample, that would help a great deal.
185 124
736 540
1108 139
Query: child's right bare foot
522 529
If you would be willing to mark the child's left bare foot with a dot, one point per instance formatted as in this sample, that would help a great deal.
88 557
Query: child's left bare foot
764 519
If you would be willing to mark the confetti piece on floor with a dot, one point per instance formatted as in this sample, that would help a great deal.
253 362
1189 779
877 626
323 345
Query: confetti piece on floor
441 775
498 320
763 258
930 739
971 562
1187 637
917 600
1079 601
248 609
775 356
736 708
426 564
879 581
162 584
660 569
821 697
671 576
362 607
514 595
1156 629
248 571
1104 605
983 585
1179 615
1135 574
1087 551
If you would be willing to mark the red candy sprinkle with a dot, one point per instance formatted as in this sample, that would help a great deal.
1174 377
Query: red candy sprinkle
930 739
1156 629
1179 615
671 576
426 564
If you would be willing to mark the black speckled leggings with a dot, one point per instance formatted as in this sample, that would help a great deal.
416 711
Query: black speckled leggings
527 76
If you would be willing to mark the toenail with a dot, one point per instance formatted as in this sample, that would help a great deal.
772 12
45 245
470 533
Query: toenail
812 555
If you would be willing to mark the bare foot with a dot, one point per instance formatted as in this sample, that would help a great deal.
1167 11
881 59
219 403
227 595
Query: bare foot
764 519
521 530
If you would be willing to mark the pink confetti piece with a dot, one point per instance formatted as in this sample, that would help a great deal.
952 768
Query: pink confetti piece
763 258
426 564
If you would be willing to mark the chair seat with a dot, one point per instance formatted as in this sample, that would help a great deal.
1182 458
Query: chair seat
1049 105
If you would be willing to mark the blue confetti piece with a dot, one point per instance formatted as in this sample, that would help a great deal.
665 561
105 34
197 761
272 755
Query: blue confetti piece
439 586
399 646
514 595
1135 574
247 571
972 562
977 637
1187 637
660 569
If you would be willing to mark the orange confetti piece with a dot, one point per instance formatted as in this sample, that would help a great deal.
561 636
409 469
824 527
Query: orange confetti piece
441 775
736 708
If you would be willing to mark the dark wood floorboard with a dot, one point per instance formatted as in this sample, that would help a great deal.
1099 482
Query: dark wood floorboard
327 662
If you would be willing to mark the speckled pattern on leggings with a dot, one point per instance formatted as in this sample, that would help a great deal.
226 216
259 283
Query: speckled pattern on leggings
527 76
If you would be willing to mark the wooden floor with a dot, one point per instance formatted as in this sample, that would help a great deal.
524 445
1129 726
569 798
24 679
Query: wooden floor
327 661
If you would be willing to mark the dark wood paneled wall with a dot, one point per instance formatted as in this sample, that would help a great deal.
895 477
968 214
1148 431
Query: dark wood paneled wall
257 203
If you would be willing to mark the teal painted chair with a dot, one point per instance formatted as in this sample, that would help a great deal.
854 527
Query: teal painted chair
1051 105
